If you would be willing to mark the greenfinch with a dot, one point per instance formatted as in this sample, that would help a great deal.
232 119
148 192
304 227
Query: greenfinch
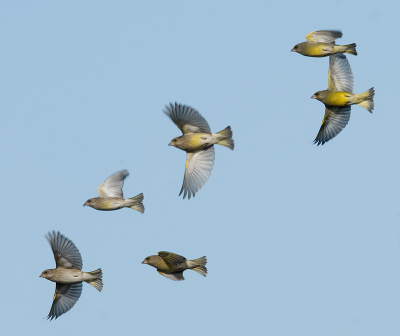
338 99
67 275
111 197
321 43
198 143
172 265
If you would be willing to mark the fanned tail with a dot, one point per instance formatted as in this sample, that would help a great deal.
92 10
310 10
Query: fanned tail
97 282
198 265
135 203
228 141
367 99
348 49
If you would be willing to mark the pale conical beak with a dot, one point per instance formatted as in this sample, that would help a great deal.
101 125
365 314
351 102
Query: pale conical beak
294 49
144 262
41 276
171 144
314 96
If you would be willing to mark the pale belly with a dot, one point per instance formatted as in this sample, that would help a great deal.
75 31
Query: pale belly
66 276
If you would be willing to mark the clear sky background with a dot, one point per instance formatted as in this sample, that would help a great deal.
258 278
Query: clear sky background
300 239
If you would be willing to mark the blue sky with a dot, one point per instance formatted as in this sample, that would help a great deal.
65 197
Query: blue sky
300 239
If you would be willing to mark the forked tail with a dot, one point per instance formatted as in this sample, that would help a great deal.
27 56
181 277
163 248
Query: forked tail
227 141
366 99
348 49
198 265
97 281
135 203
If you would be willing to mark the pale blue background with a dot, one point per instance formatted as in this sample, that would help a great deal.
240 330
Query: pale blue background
300 239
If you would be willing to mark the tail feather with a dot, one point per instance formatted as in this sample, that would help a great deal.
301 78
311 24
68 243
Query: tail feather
198 265
348 49
367 99
97 282
227 141
135 203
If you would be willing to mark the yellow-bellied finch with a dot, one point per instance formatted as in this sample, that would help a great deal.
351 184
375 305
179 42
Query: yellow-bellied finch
172 265
111 197
67 275
321 43
339 97
198 143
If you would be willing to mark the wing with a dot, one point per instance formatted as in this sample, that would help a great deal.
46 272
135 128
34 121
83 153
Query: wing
65 252
340 76
335 119
187 119
176 276
64 299
172 259
112 187
324 36
198 170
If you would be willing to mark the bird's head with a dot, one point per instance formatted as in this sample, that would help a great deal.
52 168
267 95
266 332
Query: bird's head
150 260
173 142
295 48
319 95
47 274
89 202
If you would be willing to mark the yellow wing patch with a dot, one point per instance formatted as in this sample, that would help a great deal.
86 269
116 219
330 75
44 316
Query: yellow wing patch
310 37
55 294
188 158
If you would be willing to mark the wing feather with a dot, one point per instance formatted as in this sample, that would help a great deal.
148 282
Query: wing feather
335 119
112 187
198 170
65 252
324 36
65 298
187 119
340 76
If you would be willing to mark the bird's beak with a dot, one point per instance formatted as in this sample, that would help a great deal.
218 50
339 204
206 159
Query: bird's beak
293 49
144 262
85 203
171 144
41 276
314 96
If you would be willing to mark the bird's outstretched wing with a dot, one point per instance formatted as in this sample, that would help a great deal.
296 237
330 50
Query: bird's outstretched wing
324 36
64 299
198 169
335 119
340 76
187 119
112 187
65 252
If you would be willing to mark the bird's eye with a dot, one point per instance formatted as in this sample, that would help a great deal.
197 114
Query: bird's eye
45 272
147 258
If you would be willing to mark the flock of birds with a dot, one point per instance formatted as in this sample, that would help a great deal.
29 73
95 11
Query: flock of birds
198 143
